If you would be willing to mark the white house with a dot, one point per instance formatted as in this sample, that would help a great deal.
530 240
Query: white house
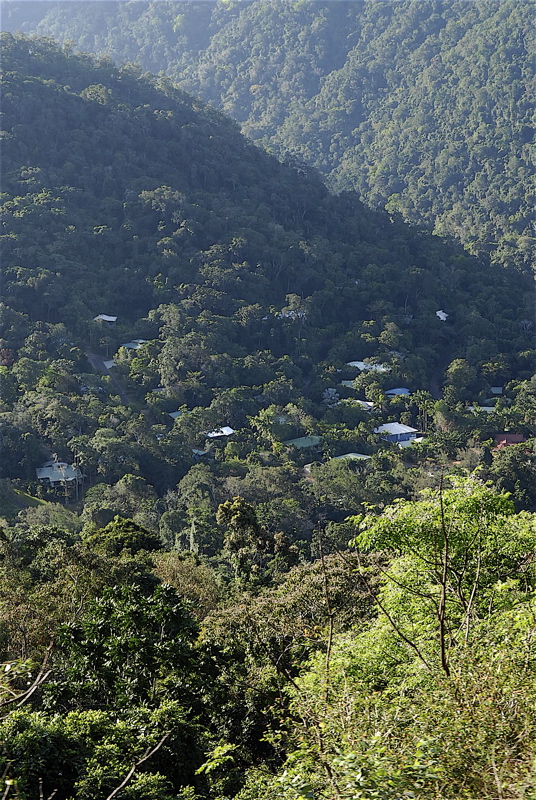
135 344
366 404
364 366
225 431
104 318
57 473
396 432
398 392
442 315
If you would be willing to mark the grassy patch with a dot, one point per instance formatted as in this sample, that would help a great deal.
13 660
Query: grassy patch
27 500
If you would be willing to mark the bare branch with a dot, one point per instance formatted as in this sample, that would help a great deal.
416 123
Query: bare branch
280 668
148 754
331 616
41 795
40 678
395 626
472 596
443 598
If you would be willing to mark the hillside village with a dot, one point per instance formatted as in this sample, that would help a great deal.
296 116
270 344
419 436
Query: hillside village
488 418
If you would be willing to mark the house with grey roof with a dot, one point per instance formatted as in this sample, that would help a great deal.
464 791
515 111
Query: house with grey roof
58 473
352 457
225 431
304 442
135 344
366 366
105 318
396 432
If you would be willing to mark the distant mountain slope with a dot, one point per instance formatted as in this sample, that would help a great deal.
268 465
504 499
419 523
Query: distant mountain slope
424 108
122 193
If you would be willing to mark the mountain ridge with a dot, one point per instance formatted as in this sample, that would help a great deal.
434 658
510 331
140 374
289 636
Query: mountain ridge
425 109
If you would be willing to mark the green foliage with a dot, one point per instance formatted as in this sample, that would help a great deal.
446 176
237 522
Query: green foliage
513 470
123 534
378 719
368 93
405 669
128 649
87 754
246 541
240 273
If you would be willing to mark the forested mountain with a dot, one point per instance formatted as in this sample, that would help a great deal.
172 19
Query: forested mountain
425 108
218 578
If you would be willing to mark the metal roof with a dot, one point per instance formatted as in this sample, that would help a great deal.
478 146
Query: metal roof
366 367
303 442
395 428
57 471
351 456
225 431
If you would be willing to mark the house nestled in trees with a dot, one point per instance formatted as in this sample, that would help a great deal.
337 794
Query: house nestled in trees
135 344
503 440
304 442
366 366
105 318
58 473
224 431
396 432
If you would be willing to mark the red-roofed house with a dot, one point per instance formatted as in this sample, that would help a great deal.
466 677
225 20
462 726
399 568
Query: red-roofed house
506 439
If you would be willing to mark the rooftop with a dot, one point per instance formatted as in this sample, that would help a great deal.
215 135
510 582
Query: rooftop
364 366
104 318
58 471
506 439
303 442
225 431
135 344
395 428
410 442
351 457
366 404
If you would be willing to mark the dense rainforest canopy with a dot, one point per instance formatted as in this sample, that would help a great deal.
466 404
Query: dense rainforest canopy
424 108
217 605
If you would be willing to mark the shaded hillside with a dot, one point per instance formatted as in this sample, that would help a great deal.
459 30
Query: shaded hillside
135 194
425 108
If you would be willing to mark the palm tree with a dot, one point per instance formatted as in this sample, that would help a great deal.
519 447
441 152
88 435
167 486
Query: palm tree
425 403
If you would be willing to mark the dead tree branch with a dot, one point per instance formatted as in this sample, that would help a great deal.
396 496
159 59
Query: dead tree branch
148 754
